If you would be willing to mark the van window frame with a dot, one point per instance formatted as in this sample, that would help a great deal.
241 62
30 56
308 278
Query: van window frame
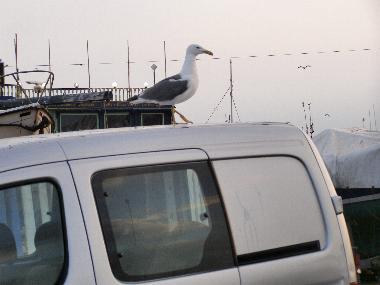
46 179
185 272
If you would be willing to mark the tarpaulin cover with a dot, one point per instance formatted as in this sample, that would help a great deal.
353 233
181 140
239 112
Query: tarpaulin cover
352 157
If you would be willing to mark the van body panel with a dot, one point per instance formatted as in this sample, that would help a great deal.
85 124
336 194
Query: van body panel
18 152
78 257
341 220
110 142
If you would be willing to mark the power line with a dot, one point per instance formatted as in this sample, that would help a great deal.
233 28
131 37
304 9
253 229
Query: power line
272 55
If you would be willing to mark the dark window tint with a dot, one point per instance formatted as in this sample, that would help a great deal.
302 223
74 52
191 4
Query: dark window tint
152 119
77 122
363 219
31 235
117 120
162 221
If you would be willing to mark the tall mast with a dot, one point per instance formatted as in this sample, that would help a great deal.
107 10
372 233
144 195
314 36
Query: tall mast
165 56
49 57
16 56
88 68
129 72
231 94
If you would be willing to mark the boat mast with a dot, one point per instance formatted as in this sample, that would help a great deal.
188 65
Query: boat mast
49 57
165 57
88 68
231 94
16 55
129 72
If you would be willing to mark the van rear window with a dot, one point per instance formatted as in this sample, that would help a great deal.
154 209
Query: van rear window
161 221
275 208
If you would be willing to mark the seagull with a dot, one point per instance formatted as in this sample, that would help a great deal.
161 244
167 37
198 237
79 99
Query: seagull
327 115
38 86
177 88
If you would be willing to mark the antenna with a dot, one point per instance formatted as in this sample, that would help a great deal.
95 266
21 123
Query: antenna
88 68
311 124
231 94
165 56
305 118
49 57
18 90
129 72
374 115
16 55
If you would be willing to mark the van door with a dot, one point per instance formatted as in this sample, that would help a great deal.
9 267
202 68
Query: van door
155 218
42 234
280 232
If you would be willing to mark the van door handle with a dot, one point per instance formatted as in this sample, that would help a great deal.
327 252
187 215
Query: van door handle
338 204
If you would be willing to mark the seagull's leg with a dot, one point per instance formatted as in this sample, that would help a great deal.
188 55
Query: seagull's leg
183 117
173 117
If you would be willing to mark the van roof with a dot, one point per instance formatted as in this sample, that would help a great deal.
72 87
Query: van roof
32 150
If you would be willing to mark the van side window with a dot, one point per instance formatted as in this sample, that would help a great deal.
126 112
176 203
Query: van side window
31 235
162 221
274 208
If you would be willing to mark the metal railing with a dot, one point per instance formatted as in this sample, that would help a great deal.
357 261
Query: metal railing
119 94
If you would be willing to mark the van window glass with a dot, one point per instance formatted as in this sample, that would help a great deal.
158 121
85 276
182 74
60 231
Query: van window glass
162 221
274 205
31 235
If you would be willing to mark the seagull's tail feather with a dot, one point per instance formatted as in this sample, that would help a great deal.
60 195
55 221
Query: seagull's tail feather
133 98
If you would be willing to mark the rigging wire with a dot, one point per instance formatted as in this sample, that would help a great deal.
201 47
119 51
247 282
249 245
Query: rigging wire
217 105
236 110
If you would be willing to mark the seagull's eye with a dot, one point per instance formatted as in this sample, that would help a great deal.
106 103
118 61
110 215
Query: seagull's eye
198 47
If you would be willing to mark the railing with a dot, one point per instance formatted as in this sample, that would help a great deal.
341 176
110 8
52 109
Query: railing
119 94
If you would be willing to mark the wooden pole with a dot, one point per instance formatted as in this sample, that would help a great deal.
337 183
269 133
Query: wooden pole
231 94
88 68
129 72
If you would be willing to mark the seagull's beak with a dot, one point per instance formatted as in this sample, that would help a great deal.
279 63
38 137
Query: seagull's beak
207 52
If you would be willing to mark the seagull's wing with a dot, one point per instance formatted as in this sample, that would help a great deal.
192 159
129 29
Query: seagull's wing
166 89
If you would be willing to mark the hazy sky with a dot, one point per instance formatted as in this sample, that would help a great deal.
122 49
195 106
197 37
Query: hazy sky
345 84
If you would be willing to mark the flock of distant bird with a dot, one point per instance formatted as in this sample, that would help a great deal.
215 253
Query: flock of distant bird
304 66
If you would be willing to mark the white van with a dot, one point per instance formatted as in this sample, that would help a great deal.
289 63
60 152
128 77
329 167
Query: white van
214 204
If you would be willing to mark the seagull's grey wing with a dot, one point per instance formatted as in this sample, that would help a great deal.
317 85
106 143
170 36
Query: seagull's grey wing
166 89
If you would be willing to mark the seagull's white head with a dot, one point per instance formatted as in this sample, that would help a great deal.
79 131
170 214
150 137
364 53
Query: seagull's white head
195 49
